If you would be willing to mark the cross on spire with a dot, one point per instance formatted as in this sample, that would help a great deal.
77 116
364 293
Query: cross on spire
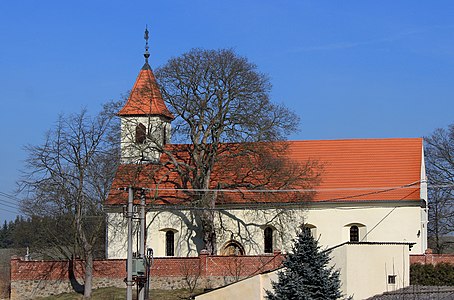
146 54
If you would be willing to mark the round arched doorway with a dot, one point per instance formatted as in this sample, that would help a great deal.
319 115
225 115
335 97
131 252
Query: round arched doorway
232 247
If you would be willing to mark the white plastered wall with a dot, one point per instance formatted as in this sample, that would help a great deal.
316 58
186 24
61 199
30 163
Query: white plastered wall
381 224
364 269
384 223
425 210
132 152
253 288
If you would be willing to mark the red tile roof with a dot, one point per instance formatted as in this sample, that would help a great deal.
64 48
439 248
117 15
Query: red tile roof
353 170
145 97
365 169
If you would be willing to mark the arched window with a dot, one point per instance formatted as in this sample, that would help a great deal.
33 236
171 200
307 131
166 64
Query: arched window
170 243
354 233
268 239
232 248
141 134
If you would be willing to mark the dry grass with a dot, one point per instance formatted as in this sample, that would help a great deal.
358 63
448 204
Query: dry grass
112 293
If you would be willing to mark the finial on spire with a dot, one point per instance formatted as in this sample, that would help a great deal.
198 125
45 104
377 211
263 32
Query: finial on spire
146 54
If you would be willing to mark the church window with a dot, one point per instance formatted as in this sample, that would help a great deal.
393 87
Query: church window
170 243
141 134
354 233
268 239
164 135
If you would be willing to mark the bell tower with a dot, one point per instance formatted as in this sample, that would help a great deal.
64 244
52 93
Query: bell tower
145 119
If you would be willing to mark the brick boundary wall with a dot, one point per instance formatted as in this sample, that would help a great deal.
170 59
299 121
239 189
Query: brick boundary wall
31 279
430 258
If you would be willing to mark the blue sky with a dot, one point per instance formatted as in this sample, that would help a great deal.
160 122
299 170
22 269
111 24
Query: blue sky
349 69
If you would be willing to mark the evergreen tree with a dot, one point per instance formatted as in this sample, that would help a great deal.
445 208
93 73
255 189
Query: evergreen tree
306 274
3 235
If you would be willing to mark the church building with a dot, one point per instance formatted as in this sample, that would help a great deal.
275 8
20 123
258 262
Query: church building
368 191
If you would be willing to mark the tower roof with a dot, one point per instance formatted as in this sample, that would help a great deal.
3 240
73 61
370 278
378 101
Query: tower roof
145 97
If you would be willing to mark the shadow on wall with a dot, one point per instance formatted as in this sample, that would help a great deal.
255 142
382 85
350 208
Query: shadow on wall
77 287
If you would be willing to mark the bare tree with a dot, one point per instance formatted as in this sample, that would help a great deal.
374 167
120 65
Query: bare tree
224 114
191 273
68 177
439 153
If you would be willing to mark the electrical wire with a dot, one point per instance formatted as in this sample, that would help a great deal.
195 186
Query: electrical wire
9 205
7 210
275 204
10 202
6 199
409 185
9 196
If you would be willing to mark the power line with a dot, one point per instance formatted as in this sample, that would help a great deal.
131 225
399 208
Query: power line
440 185
9 202
375 226
404 186
7 210
278 204
9 205
9 196
261 204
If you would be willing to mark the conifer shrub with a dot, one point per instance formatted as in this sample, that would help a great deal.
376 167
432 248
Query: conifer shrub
306 274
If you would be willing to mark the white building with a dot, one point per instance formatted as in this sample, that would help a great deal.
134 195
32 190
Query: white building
370 190
366 269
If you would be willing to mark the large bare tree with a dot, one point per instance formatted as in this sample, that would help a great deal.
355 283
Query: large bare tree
224 115
439 151
68 177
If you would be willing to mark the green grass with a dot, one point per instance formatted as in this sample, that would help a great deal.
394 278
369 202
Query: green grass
112 293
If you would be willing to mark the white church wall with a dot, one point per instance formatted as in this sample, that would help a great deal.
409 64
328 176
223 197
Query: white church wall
381 224
331 226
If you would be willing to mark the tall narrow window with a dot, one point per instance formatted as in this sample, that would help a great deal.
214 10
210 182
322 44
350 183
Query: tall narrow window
141 134
354 234
164 135
170 243
268 234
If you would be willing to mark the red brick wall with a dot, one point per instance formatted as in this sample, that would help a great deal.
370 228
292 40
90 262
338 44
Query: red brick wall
429 258
205 265
240 265
58 270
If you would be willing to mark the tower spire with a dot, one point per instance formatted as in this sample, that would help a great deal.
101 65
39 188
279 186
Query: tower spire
146 66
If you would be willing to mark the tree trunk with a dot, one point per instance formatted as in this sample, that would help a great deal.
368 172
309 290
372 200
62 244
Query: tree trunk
88 275
207 219
209 232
